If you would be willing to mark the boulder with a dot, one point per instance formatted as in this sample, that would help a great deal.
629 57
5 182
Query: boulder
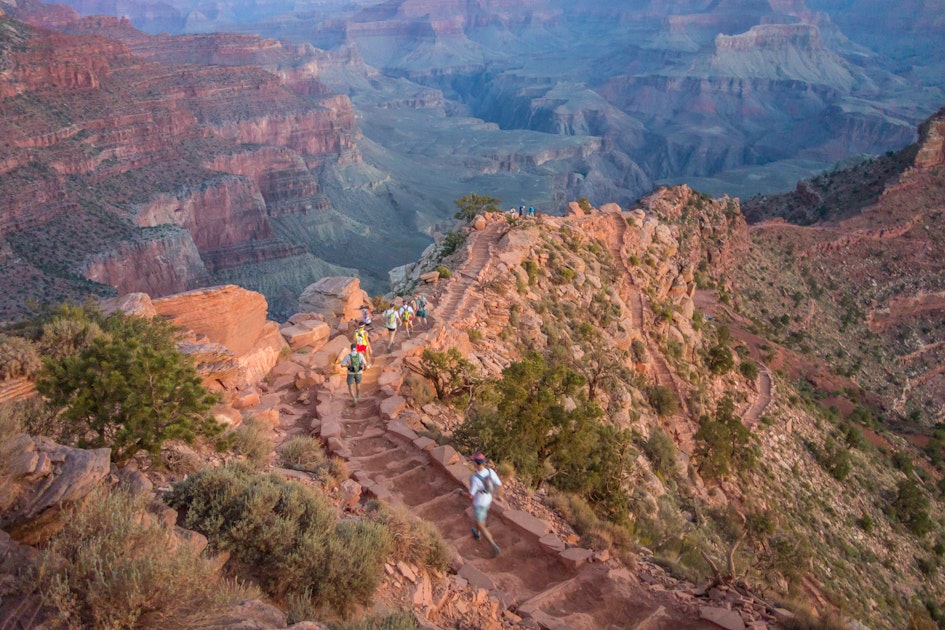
308 333
60 478
722 617
336 297
611 208
130 304
574 210
227 416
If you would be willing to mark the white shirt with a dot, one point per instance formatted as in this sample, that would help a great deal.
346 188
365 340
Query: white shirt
477 488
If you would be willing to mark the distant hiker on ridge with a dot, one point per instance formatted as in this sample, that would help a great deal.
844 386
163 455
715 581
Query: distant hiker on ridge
366 315
482 484
355 363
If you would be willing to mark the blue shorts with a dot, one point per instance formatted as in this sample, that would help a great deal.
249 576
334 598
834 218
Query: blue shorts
480 512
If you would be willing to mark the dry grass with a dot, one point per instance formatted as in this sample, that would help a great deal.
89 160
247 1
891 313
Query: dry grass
113 567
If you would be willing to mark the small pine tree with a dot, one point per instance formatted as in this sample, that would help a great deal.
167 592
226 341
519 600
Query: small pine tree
130 389
471 205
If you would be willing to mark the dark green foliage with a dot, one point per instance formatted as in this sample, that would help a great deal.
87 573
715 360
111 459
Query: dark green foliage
661 451
449 372
835 459
532 269
719 359
748 369
663 400
722 443
911 507
902 461
585 204
403 620
471 205
287 534
129 389
538 419
451 243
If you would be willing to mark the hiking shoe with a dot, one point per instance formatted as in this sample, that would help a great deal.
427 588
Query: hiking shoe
476 533
496 551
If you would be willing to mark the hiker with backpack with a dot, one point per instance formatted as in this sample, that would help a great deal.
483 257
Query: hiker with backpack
366 315
363 342
406 316
421 303
391 321
482 486
355 363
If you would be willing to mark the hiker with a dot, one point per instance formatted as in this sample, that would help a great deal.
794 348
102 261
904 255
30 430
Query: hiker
391 320
421 303
355 363
531 211
406 316
363 342
366 315
521 211
482 485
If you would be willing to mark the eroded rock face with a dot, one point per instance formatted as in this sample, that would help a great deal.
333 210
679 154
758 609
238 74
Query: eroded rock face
39 480
234 345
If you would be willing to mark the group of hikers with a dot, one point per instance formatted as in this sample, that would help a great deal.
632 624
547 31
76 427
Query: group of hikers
484 482
412 311
522 211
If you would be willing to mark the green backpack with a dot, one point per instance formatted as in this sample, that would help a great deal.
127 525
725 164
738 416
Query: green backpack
354 362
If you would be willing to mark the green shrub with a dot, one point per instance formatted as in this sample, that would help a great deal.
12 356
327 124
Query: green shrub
109 568
451 242
585 204
474 335
661 451
748 369
638 348
532 269
130 389
253 440
287 535
911 507
662 400
722 443
835 459
471 205
562 275
18 357
448 371
443 271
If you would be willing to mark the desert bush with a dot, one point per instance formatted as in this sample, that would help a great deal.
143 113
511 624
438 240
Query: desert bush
722 443
307 454
562 275
70 330
253 440
585 204
31 415
661 451
111 568
443 271
638 348
910 507
380 304
287 535
18 357
748 369
402 620
451 242
532 269
662 400
449 372
412 539
129 389
471 205
834 458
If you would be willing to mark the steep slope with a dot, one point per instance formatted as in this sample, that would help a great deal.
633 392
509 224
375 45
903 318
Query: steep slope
877 250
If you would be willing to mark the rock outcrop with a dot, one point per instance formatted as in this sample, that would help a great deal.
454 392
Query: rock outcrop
338 298
40 480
